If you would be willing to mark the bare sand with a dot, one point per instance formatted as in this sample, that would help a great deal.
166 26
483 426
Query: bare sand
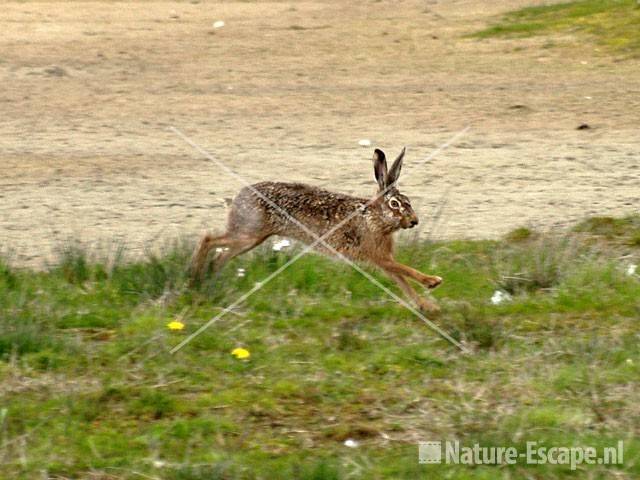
284 91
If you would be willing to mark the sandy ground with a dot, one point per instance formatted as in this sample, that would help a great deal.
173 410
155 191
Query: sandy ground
285 91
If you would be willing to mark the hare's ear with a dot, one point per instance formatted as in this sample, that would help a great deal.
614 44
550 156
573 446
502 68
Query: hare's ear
380 168
394 173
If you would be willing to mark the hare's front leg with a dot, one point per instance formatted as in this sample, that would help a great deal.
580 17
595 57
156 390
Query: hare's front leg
422 303
429 281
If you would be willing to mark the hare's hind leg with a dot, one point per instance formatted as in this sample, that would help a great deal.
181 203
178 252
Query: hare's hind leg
239 244
233 244
199 258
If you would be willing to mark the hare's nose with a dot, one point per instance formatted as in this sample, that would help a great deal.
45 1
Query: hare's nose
414 222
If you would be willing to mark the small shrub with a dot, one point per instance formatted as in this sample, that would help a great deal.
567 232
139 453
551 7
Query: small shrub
21 334
154 275
74 264
536 266
154 404
634 240
520 234
611 228
348 338
48 360
475 325
8 279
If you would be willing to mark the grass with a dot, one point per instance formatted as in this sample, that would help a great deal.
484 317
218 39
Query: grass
613 24
88 388
624 231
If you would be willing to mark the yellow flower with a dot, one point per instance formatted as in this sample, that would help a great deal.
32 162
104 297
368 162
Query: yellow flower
175 325
240 353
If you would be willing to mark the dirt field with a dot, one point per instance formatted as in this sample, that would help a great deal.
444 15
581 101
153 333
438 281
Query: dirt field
285 91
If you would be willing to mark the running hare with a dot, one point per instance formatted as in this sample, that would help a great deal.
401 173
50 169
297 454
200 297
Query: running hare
268 208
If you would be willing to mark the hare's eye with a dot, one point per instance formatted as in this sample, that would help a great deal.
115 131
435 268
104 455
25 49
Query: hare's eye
394 203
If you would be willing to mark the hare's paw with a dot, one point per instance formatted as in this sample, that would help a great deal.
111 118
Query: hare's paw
428 307
431 281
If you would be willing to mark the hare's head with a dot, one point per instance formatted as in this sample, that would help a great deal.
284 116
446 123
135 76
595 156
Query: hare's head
396 208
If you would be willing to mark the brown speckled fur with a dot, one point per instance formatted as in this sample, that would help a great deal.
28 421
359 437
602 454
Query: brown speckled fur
366 236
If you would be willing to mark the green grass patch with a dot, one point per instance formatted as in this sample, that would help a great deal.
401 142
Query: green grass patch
623 231
614 24
89 388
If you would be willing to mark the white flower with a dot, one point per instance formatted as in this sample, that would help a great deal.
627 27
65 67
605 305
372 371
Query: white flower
499 296
365 142
218 24
281 244
241 272
632 269
351 443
